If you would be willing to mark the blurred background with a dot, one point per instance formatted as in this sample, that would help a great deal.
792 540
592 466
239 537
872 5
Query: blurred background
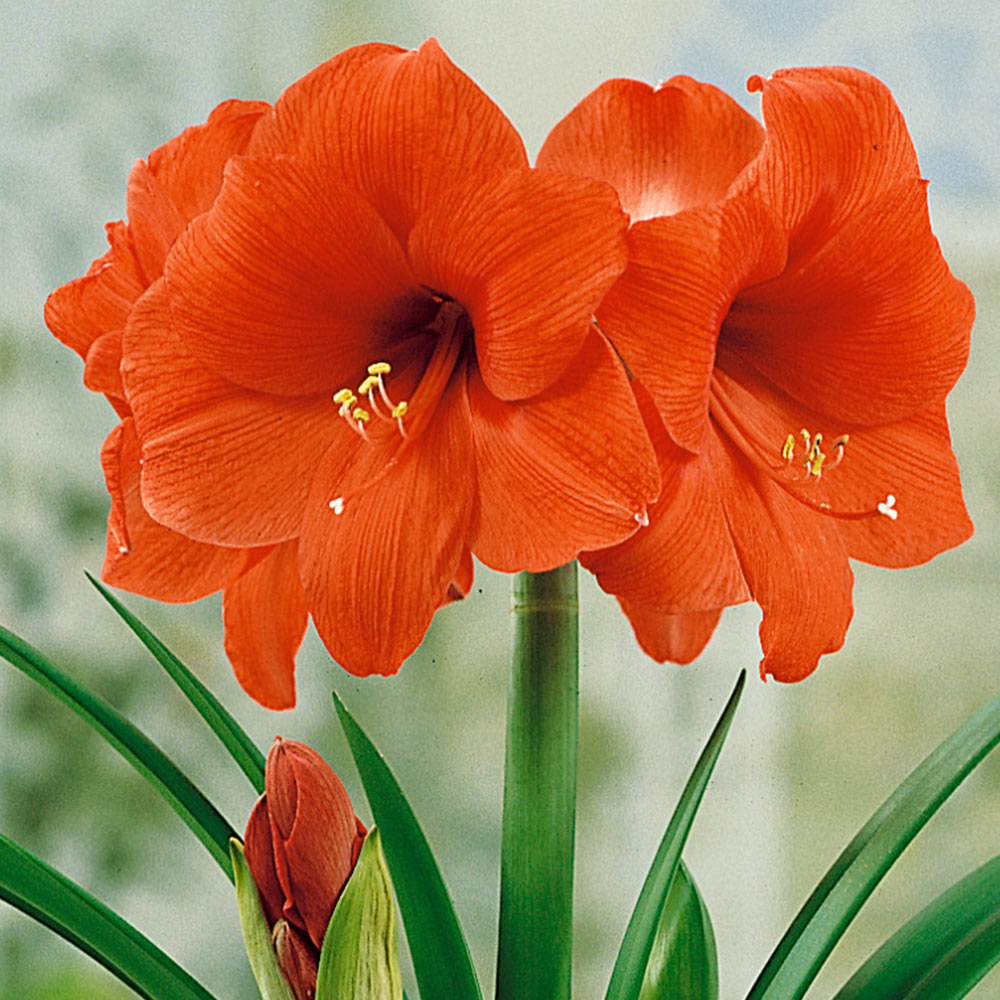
87 87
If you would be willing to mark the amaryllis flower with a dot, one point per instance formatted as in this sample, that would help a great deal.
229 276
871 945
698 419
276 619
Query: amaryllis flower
375 354
178 182
793 331
302 842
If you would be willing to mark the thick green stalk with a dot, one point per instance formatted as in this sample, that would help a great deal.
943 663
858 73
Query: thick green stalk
539 806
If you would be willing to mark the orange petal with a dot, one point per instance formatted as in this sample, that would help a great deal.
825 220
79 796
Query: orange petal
835 141
914 461
866 323
666 148
265 616
102 371
664 314
669 565
529 256
666 636
188 169
313 829
292 283
144 557
461 583
568 470
796 565
80 311
402 128
375 574
220 464
258 847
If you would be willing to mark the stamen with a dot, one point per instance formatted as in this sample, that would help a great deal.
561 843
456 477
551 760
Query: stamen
453 329
799 482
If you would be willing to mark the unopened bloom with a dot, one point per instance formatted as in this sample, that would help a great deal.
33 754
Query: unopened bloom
302 843
371 356
793 330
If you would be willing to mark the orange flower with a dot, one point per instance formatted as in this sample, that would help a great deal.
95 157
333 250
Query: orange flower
370 354
178 182
794 331
302 842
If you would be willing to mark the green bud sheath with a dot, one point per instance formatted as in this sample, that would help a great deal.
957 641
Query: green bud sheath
256 934
358 959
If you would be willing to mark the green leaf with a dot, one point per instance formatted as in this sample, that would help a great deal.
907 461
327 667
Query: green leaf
61 905
226 728
204 820
683 961
943 951
256 934
637 945
853 876
359 958
441 960
535 942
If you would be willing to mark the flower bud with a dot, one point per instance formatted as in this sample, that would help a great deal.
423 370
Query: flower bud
302 842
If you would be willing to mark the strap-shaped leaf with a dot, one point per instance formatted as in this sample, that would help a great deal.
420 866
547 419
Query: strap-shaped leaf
440 955
683 962
637 945
204 820
52 899
242 749
942 952
853 876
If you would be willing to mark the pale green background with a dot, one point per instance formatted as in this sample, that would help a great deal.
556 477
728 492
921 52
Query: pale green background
85 89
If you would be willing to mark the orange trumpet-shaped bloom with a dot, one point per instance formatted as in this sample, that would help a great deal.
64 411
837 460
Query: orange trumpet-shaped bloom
176 183
793 330
366 354
302 842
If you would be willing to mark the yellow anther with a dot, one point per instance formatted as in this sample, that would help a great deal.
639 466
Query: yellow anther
806 437
816 463
345 397
841 442
369 383
400 409
379 368
815 448
788 450
363 416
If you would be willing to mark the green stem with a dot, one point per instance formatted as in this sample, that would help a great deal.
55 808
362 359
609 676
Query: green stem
535 953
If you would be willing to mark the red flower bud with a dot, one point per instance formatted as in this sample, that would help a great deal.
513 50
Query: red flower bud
302 841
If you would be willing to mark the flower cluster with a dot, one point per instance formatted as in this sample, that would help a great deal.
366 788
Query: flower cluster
356 339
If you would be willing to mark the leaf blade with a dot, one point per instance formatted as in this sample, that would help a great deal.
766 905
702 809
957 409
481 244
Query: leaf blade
441 959
943 951
61 905
198 813
241 748
637 944
861 865
683 961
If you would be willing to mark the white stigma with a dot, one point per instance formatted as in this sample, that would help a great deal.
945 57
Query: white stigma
337 505
888 507
642 518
